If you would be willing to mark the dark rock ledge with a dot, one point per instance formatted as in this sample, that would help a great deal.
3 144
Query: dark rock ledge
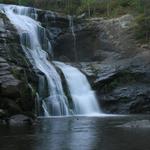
16 96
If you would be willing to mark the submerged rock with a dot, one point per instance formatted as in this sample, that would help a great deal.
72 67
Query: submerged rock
20 120
136 124
2 114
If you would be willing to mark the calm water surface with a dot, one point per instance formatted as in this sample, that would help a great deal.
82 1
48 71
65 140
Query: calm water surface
76 133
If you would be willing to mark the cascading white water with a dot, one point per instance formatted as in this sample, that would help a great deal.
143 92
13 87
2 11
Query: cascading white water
83 97
29 30
36 47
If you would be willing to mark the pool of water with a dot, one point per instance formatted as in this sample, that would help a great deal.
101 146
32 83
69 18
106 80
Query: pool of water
76 133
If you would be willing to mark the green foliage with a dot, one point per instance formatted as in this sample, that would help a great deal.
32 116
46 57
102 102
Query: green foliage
21 2
111 8
88 5
124 3
138 5
108 8
8 1
24 2
99 8
142 28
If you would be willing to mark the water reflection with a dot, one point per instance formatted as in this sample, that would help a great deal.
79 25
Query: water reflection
65 134
78 133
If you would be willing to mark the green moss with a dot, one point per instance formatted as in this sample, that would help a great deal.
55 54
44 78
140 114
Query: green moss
122 78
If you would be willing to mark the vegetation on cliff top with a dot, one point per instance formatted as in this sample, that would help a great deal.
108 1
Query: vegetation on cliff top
100 8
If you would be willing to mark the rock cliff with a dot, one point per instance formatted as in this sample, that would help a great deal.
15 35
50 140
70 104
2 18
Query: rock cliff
117 66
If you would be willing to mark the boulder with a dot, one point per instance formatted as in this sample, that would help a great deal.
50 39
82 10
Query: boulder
2 113
20 120
11 106
9 85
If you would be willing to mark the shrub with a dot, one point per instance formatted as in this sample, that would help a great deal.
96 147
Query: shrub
142 28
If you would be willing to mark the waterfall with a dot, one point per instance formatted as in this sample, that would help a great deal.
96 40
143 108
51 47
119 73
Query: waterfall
30 31
83 97
37 48
71 27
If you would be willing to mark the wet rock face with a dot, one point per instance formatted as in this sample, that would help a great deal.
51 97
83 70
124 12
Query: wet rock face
84 45
79 40
52 19
9 89
54 23
14 94
8 83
